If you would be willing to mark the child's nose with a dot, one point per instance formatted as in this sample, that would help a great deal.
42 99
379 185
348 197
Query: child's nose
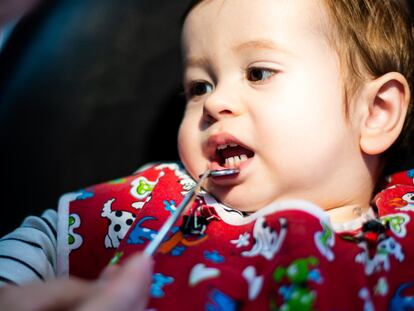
219 105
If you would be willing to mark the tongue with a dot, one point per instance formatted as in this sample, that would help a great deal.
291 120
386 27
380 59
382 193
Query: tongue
236 151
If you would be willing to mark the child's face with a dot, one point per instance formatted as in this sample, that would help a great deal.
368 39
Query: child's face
261 74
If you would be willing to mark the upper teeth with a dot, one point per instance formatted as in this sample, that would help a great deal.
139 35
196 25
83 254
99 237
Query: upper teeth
221 147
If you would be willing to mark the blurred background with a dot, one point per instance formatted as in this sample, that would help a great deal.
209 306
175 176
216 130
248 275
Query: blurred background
89 91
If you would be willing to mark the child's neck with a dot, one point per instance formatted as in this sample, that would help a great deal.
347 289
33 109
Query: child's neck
346 213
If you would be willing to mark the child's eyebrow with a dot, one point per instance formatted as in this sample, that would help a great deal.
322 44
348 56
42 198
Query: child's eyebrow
260 44
263 44
195 62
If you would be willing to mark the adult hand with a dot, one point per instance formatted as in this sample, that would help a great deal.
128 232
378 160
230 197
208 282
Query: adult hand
124 288
119 288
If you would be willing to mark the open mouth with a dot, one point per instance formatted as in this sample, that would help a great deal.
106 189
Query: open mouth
232 155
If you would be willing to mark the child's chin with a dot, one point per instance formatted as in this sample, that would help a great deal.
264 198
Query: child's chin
231 199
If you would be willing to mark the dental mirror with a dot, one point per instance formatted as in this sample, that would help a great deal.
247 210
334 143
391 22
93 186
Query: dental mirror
225 172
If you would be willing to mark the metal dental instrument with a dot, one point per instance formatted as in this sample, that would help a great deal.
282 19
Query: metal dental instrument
152 247
225 172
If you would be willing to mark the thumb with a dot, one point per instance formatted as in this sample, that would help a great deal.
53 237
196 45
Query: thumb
126 289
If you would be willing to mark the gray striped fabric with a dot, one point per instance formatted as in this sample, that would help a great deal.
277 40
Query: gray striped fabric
29 252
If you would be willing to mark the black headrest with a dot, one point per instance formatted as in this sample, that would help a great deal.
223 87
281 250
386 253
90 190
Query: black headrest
89 91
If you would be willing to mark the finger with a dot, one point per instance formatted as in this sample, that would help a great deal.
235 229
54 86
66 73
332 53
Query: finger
61 294
109 273
128 289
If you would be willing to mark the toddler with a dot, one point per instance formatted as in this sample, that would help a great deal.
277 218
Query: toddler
309 99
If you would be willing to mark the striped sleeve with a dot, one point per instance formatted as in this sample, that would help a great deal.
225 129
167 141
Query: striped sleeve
29 252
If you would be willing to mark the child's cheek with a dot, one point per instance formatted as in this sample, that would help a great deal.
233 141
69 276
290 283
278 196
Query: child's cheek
189 147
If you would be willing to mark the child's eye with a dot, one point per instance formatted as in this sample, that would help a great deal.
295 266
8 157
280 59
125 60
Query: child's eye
255 74
199 88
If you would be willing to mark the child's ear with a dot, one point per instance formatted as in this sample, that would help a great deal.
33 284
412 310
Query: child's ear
385 102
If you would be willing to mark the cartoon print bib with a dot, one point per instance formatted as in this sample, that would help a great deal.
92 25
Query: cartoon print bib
283 257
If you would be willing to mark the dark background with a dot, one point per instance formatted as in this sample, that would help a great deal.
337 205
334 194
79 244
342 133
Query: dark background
89 91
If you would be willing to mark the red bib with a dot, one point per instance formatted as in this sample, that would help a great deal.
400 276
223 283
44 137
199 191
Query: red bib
283 257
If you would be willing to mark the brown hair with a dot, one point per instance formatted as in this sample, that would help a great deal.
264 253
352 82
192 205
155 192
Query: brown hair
372 37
